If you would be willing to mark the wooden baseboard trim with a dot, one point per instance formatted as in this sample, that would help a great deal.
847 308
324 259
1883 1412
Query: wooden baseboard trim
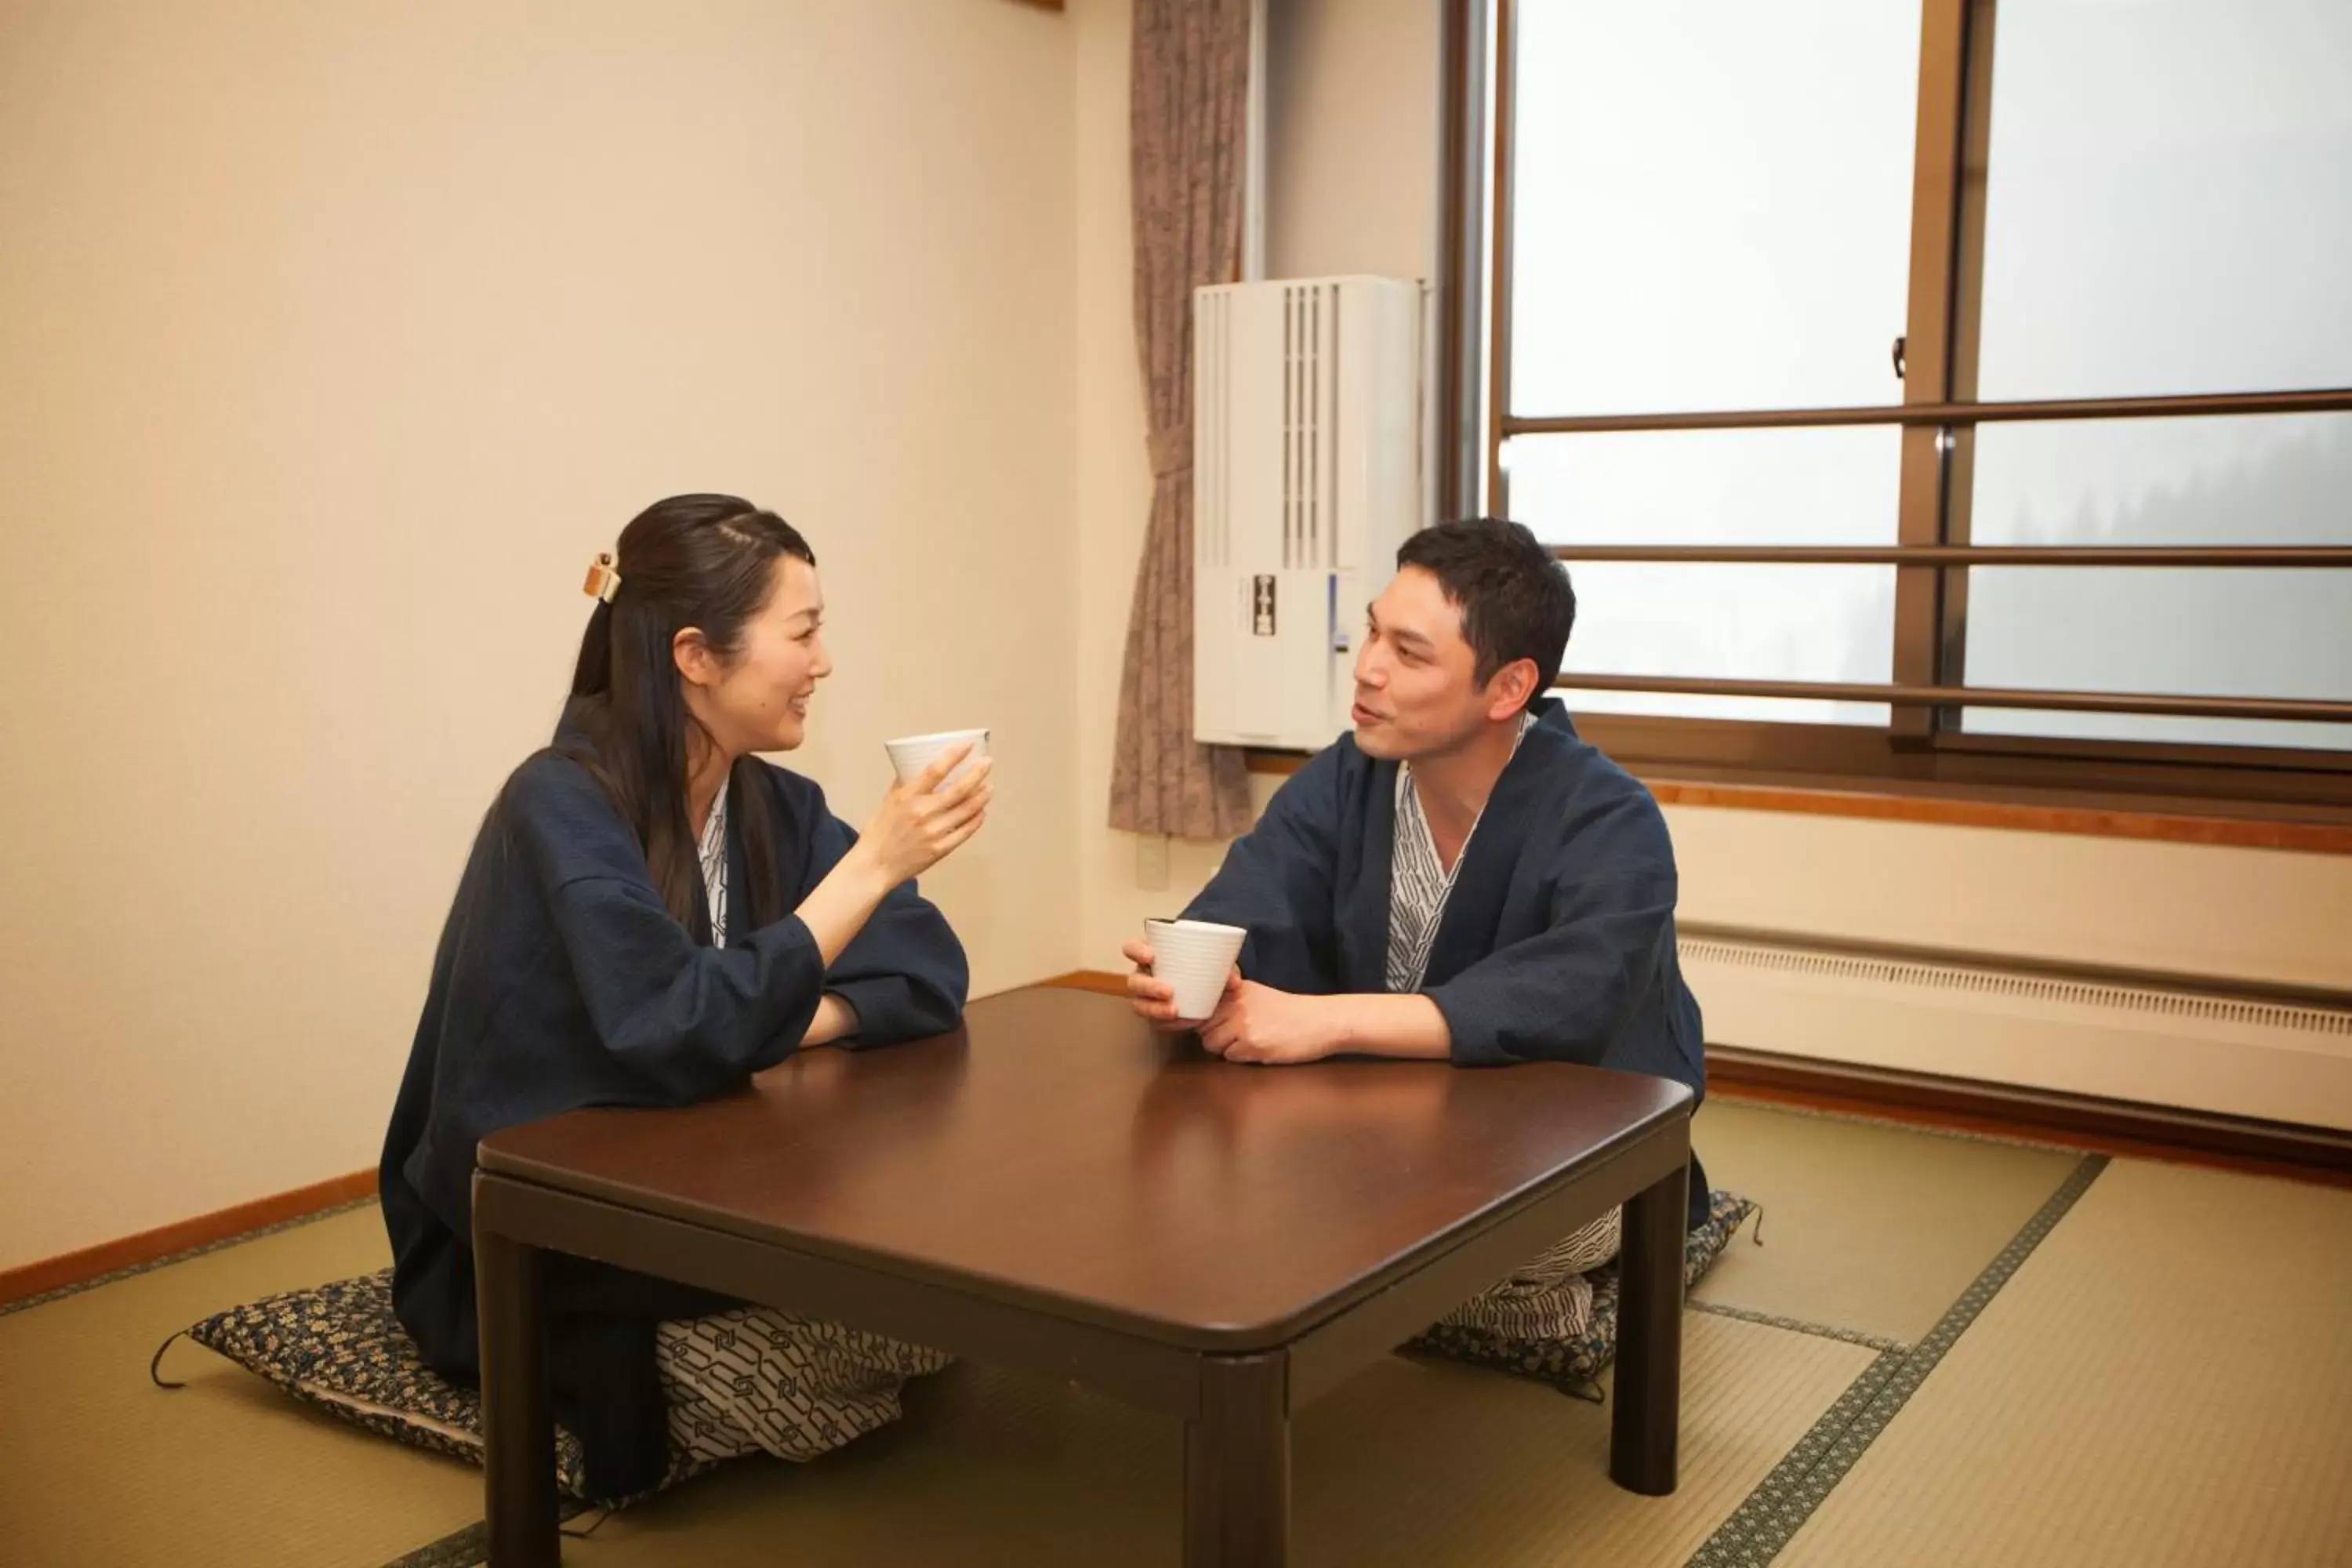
1101 979
182 1235
2114 819
2124 1128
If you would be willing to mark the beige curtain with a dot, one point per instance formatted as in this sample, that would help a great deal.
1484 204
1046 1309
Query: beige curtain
1188 88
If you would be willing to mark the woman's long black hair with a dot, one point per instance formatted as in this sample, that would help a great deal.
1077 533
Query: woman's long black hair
700 561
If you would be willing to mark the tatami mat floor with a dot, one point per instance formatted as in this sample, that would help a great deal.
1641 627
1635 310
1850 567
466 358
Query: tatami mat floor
1949 1350
2167 1380
1411 1464
1867 1224
98 1466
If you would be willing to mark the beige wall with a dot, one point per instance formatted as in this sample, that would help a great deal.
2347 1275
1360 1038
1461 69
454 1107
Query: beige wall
2189 908
1352 178
336 338
1352 172
1113 488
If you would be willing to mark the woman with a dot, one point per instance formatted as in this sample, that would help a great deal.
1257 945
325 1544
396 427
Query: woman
650 915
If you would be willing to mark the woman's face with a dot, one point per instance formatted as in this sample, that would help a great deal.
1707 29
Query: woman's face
757 701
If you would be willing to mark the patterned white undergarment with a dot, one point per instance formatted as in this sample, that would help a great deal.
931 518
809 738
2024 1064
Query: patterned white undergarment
757 1381
1549 1298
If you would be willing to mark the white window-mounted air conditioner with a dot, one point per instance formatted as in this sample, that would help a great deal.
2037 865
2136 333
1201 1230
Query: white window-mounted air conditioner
1306 475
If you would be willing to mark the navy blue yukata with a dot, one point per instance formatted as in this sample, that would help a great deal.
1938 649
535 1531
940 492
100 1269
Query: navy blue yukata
561 980
1557 942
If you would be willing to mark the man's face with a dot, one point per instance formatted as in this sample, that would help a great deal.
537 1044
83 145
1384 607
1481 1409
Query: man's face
1417 691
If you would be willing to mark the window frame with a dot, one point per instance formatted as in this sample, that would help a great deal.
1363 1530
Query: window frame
1923 749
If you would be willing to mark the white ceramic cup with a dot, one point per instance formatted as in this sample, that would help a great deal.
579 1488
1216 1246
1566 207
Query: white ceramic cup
910 755
1193 957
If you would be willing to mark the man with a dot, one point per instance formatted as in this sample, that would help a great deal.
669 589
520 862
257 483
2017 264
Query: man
1462 877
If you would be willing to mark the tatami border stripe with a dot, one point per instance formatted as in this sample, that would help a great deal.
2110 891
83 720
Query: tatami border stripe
1762 1525
470 1547
464 1548
1769 1515
1799 1326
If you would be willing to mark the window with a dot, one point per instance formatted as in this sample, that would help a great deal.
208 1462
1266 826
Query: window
1934 391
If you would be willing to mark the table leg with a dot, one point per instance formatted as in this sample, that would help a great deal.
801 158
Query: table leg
1645 1424
518 1429
1238 1466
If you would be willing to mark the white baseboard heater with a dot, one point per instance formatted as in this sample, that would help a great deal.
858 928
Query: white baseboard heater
2156 1045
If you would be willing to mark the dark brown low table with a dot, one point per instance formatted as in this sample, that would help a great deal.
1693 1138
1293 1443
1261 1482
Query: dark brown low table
1054 1188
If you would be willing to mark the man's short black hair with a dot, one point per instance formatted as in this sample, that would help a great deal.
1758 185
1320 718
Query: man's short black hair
1515 599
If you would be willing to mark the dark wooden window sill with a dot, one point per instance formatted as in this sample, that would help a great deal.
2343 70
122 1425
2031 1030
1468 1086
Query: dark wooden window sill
2312 830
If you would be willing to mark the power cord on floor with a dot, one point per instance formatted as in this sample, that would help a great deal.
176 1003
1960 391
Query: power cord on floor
154 1367
584 1534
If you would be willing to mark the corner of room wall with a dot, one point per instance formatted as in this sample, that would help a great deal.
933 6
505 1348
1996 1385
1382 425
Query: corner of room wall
1341 156
1112 485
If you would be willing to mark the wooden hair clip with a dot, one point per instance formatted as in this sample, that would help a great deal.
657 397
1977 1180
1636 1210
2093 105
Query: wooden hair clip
602 581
